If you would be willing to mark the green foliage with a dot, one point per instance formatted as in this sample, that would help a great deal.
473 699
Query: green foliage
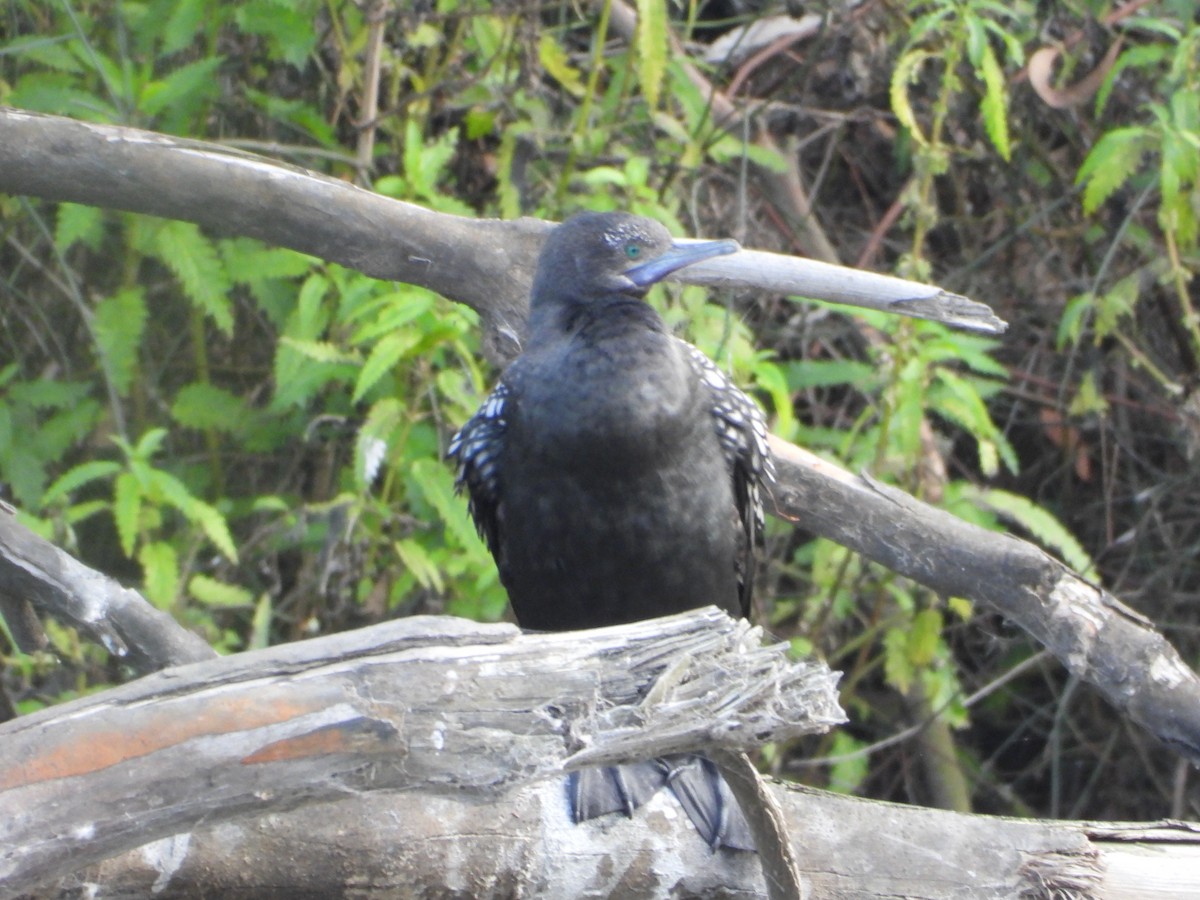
195 262
118 326
945 35
255 438
1039 522
1154 152
651 43
851 765
41 421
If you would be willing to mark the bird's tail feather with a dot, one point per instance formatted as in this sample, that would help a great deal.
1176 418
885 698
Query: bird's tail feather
694 780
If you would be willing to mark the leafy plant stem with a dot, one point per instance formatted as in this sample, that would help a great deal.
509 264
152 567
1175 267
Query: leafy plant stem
212 440
585 107
1179 281
1145 362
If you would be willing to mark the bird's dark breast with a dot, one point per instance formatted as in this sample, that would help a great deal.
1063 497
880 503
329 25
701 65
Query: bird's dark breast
623 514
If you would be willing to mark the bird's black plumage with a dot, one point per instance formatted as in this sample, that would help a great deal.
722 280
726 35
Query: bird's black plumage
616 474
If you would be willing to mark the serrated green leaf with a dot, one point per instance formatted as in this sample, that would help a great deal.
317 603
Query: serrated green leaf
206 406
45 50
1045 528
814 373
194 261
127 510
555 61
45 393
1070 325
149 443
970 350
851 765
976 38
183 24
78 223
373 439
924 636
929 23
771 378
436 483
320 351
311 316
897 665
652 45
1088 399
425 161
957 399
1148 55
1178 216
212 592
994 105
166 487
288 28
118 324
58 93
64 429
905 73
260 624
961 607
1115 304
214 526
183 89
393 312
1014 51
163 487
420 564
78 476
248 261
77 512
160 573
384 355
480 123
1112 161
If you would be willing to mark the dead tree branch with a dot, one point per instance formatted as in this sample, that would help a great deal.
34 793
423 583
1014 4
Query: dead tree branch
485 264
436 704
36 573
1095 636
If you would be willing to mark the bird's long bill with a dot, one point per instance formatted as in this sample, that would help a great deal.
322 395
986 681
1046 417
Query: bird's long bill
676 258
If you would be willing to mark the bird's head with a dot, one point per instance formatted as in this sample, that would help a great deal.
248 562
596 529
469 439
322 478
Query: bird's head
597 255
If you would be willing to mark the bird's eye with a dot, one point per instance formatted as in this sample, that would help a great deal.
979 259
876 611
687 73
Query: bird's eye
633 251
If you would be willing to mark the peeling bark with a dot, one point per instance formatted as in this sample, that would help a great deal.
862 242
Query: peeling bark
523 845
432 704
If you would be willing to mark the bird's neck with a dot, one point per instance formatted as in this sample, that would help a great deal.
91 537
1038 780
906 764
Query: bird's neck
595 320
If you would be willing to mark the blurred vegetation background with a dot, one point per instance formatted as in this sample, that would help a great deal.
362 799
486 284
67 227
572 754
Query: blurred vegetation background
254 438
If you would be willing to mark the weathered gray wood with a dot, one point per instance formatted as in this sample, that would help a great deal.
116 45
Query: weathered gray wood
384 845
1096 636
33 571
435 704
486 264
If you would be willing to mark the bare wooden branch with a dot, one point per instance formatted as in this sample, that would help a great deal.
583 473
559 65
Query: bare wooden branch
34 571
437 704
781 870
386 844
811 278
484 263
1096 636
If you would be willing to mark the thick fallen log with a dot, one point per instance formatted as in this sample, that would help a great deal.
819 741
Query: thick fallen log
432 704
386 844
